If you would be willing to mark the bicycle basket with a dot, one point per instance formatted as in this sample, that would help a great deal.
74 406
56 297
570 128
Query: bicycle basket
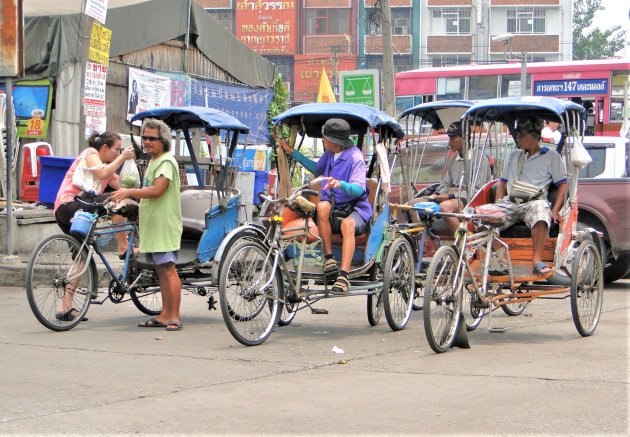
82 222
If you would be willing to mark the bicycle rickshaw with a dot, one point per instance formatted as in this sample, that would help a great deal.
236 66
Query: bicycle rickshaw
63 267
282 269
466 271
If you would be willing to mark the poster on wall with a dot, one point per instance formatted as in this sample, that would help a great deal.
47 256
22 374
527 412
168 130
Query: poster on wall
180 88
96 9
94 106
31 102
147 91
246 104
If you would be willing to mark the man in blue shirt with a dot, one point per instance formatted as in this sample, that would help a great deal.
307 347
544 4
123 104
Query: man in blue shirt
344 185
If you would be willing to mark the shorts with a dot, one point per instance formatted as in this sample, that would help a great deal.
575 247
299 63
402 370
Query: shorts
360 224
65 213
161 258
529 212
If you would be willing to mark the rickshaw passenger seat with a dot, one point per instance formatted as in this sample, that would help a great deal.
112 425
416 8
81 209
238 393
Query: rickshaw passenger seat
361 239
520 230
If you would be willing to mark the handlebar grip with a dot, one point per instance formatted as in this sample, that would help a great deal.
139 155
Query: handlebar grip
310 192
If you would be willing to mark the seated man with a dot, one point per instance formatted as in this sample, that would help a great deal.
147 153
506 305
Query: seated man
345 184
447 192
538 165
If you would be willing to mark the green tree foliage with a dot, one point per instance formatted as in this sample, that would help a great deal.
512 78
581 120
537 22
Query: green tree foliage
279 103
589 43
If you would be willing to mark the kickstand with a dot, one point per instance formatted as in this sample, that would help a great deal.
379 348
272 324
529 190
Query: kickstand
316 310
491 328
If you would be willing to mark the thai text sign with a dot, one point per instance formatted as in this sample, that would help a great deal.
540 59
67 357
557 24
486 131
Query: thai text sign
268 27
570 87
96 9
308 68
246 104
100 39
147 91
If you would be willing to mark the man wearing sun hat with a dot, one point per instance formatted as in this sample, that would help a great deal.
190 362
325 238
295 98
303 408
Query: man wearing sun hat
345 185
536 164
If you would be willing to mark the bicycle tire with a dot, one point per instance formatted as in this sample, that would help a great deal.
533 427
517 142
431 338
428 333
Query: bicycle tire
249 315
149 302
398 283
587 288
442 300
375 301
47 282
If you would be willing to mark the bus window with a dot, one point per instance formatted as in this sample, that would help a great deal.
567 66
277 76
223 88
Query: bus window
482 87
450 88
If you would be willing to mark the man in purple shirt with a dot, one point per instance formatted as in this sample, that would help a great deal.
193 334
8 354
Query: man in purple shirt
344 186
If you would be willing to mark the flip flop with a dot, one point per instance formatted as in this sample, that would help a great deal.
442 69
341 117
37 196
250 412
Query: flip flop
173 326
151 323
68 316
540 269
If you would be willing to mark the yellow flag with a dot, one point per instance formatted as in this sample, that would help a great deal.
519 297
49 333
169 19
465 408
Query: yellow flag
325 94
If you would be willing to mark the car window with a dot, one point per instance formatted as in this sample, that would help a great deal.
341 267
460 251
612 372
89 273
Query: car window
595 168
417 167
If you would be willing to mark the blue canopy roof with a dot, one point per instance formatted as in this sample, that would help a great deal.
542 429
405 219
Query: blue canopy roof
510 108
424 108
185 117
312 116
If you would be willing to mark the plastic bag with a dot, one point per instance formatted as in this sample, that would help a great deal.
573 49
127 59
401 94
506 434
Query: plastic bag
84 179
129 175
579 155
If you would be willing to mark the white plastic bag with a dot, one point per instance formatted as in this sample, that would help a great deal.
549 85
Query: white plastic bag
579 155
129 175
84 179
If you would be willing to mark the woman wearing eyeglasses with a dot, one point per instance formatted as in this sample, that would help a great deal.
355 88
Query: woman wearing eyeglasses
160 220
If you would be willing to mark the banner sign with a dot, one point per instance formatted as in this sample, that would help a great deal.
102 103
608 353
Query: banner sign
96 9
571 87
180 88
247 104
147 91
100 39
31 103
268 27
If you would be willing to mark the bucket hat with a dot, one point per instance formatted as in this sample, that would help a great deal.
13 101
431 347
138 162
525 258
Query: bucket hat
529 125
337 130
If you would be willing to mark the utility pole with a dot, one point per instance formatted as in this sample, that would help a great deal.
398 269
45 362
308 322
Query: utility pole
335 60
389 105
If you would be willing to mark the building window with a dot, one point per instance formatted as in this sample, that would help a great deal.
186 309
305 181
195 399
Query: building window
449 60
327 21
526 20
451 21
400 23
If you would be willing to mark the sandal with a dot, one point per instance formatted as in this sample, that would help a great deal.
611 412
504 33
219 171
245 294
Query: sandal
69 315
330 267
341 285
151 323
541 269
173 326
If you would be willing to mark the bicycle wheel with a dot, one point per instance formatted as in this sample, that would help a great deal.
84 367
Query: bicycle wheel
149 301
375 301
442 301
398 283
587 288
512 309
249 312
472 314
58 284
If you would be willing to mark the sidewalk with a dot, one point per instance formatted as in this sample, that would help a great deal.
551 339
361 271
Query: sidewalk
13 269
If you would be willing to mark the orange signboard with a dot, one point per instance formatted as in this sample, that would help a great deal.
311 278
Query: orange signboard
268 27
308 68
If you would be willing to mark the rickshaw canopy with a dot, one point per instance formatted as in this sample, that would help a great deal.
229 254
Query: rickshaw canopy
310 118
439 114
507 109
187 117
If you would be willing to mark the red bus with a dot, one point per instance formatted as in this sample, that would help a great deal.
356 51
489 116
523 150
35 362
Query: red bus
601 86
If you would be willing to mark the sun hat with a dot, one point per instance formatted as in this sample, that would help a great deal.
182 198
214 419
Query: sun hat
529 125
455 129
337 131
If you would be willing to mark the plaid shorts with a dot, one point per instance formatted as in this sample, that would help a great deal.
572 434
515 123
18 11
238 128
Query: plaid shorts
529 212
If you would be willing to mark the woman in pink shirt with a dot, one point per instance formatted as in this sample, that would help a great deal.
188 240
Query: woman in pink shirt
104 157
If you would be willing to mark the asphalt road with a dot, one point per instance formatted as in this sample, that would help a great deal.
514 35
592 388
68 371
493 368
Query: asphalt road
109 377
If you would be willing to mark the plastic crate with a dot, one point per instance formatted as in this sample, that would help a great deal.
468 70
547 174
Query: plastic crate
53 170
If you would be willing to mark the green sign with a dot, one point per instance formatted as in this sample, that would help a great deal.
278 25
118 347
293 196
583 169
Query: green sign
360 86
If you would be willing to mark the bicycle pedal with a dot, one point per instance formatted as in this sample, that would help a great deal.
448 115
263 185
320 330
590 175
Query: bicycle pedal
318 311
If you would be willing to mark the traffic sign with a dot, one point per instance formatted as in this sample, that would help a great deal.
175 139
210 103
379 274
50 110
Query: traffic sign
360 86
